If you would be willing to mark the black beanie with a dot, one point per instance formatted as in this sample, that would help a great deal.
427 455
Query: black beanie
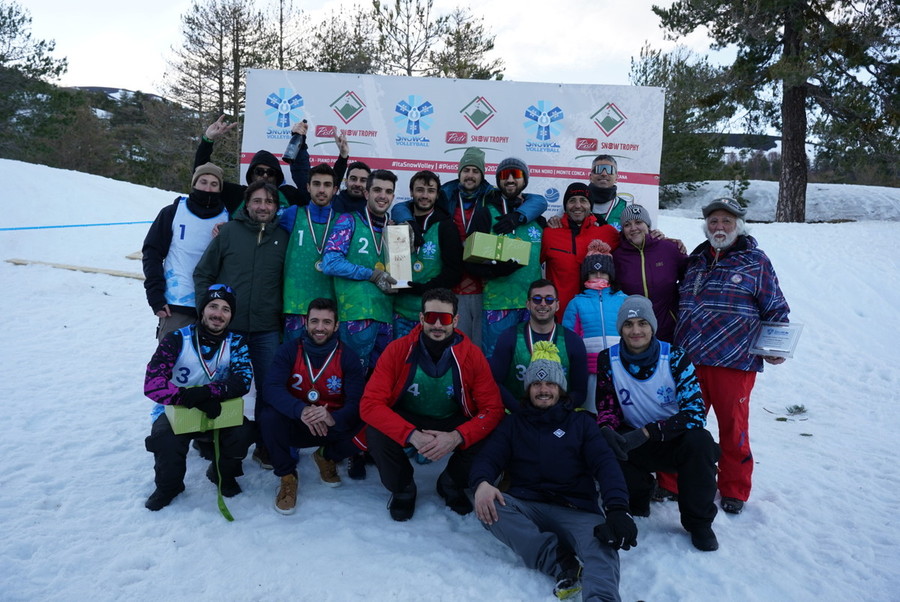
217 291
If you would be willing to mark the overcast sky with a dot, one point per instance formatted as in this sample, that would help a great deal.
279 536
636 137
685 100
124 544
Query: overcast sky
116 44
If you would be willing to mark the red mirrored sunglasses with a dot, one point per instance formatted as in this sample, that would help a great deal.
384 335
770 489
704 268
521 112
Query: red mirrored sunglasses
438 316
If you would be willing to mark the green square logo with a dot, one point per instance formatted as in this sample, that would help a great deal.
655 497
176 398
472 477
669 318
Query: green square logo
347 106
478 112
609 118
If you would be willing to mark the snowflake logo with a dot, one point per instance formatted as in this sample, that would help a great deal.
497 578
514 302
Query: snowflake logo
666 395
285 107
413 115
333 384
449 390
534 233
429 249
542 122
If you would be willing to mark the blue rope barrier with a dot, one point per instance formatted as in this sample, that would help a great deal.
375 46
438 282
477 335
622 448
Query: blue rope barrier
73 226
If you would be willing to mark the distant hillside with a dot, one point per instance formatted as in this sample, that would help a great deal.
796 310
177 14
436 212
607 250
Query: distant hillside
118 93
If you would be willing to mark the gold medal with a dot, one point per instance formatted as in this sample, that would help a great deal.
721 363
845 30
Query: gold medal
379 266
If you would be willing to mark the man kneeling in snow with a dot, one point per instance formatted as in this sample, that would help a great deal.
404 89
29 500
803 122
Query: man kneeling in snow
198 366
650 411
313 389
553 455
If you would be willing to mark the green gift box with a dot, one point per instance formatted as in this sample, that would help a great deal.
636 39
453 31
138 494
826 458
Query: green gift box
191 420
482 248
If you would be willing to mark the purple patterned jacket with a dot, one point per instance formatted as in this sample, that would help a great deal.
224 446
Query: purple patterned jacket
722 305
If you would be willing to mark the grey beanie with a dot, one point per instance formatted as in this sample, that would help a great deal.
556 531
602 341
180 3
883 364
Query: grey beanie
636 306
545 366
473 156
635 212
729 205
513 163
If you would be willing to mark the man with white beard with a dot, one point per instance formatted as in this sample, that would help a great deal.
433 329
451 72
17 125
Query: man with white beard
729 288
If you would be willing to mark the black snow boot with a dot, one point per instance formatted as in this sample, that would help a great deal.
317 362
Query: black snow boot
230 487
402 505
456 498
161 498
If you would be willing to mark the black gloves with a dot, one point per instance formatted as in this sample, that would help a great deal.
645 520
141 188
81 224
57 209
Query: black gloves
505 268
622 444
616 443
414 288
201 398
634 439
619 530
191 397
507 223
211 407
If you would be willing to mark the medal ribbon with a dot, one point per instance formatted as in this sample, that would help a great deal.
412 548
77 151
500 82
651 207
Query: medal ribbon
312 230
530 343
375 240
210 372
462 214
313 376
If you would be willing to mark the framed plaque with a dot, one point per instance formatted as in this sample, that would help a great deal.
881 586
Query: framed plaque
776 339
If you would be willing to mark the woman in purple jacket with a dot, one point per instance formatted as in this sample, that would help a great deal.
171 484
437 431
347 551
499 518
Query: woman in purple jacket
649 266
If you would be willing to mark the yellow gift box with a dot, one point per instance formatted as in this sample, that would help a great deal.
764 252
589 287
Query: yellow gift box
483 248
191 420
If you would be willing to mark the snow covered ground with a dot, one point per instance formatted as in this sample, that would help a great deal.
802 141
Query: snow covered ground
822 523
824 202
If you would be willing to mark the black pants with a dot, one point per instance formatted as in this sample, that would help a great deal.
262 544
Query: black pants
693 455
281 433
170 451
395 468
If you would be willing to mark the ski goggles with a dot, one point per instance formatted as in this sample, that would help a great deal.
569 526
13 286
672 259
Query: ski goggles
511 172
445 318
604 168
548 299
221 287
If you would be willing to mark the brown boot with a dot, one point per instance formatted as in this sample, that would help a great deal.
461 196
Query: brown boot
327 469
286 497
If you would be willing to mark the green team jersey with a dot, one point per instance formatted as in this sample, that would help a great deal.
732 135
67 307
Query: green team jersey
426 264
508 292
304 279
361 299
515 376
430 396
613 216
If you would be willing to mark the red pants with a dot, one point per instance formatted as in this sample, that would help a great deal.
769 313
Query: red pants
728 392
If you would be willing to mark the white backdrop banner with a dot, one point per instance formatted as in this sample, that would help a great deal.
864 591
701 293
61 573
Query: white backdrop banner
406 124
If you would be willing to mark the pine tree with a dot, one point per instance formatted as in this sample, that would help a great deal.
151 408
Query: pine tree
29 105
346 43
407 30
692 148
221 40
289 49
463 54
799 58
